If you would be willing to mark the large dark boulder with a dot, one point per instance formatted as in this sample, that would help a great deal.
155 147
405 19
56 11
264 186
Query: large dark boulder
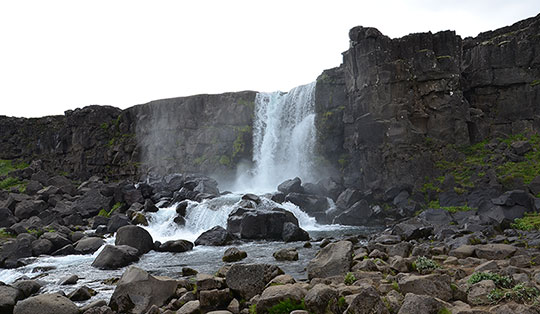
89 245
311 204
58 240
16 249
6 217
176 246
46 303
291 186
348 197
260 224
63 183
27 287
292 233
217 236
414 228
360 213
137 291
28 208
114 257
116 222
91 203
136 237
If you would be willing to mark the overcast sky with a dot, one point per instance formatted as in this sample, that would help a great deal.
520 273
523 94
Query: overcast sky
60 55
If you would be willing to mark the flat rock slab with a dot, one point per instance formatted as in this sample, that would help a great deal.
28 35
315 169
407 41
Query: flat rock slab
494 251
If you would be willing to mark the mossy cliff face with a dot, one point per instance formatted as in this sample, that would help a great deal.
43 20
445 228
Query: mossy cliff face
387 112
203 133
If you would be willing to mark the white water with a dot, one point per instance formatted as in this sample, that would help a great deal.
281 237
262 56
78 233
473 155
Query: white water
283 139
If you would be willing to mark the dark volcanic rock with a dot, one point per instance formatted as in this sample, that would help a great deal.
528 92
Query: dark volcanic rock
8 297
217 236
136 237
332 260
291 186
6 217
249 280
176 246
89 245
114 257
233 255
292 233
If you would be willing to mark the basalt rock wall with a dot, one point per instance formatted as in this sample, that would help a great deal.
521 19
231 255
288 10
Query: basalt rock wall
202 133
394 103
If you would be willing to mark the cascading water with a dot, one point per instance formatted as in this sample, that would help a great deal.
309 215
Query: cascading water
283 138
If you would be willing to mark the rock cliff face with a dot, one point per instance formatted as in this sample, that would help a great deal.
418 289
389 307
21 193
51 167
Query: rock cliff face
203 133
383 114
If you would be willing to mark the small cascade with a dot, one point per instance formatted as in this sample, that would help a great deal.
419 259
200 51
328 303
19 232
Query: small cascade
283 138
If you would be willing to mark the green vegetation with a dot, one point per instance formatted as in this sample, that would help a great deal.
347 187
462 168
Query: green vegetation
451 209
499 280
518 293
443 57
35 232
108 214
253 309
225 161
5 234
9 182
444 311
531 221
286 306
424 264
239 144
395 286
349 279
341 302
535 82
104 126
7 166
199 160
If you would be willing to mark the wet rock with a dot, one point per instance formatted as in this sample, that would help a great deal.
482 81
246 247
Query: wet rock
248 280
81 294
333 260
291 186
181 208
42 246
46 303
136 237
217 236
288 254
71 280
187 271
27 287
137 291
348 197
176 246
233 255
66 250
57 239
114 257
292 233
260 224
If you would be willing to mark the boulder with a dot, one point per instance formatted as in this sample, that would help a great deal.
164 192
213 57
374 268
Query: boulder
27 287
8 297
65 250
182 207
347 198
42 246
137 291
28 208
149 207
367 301
81 294
292 233
434 285
275 294
478 293
114 257
136 237
335 259
288 254
58 240
116 222
494 251
321 298
233 255
462 251
6 217
71 280
46 303
248 280
191 307
89 245
311 204
414 303
260 224
413 228
12 251
360 213
91 203
217 236
291 186
214 299
176 246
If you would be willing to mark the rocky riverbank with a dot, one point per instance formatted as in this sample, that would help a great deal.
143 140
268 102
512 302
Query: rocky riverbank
440 260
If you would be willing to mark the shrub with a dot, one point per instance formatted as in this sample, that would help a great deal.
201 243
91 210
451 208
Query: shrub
518 293
286 306
349 279
424 264
499 280
531 221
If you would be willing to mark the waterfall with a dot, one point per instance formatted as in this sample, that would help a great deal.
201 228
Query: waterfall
283 138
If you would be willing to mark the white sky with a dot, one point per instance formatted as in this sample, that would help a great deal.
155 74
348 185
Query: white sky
60 55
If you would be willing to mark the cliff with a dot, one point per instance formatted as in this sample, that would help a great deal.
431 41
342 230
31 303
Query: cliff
394 106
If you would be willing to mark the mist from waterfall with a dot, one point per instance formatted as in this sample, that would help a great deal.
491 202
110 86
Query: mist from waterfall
283 139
